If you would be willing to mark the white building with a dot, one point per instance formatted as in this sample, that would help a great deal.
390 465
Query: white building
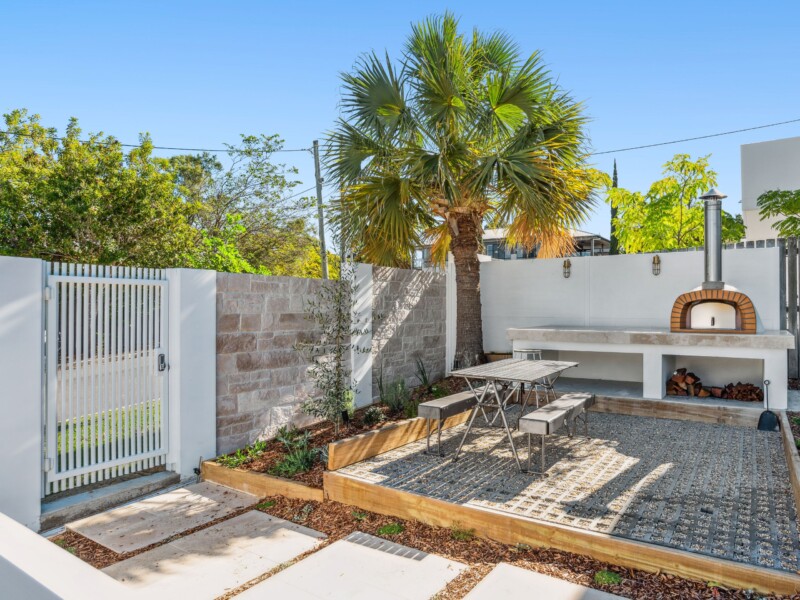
773 165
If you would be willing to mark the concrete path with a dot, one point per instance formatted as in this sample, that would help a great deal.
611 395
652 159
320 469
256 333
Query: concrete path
155 519
210 562
360 566
515 583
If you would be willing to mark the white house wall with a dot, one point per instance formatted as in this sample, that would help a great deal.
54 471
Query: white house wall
615 291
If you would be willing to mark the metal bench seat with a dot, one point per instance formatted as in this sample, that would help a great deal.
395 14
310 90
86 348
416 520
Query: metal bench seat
441 409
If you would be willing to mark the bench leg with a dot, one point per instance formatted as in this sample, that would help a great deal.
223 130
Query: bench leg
543 458
428 437
529 453
439 437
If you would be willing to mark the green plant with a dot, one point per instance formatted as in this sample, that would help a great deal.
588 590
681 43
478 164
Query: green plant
332 311
438 391
63 544
422 373
796 420
237 459
359 516
797 443
303 513
265 505
397 396
372 416
297 461
460 534
605 577
391 529
287 435
411 408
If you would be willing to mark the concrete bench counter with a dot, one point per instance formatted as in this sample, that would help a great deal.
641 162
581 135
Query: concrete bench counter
650 354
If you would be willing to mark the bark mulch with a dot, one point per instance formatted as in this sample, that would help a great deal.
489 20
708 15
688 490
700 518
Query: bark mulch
339 520
324 433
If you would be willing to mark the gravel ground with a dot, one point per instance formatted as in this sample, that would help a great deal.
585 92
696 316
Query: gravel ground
711 489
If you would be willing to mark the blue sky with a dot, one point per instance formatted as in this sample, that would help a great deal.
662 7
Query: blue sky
199 73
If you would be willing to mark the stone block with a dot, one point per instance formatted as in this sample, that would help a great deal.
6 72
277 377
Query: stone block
233 282
227 405
229 343
251 322
228 323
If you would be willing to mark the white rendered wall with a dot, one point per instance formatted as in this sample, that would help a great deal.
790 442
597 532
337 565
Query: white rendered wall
21 347
34 568
192 368
361 361
615 291
773 165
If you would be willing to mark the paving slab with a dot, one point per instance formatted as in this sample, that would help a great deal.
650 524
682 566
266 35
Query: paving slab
155 519
210 562
360 566
515 583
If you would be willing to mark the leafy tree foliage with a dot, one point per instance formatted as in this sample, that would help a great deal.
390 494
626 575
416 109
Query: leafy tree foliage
91 201
786 206
669 215
464 130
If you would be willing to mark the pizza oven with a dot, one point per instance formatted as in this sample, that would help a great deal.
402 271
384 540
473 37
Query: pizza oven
713 307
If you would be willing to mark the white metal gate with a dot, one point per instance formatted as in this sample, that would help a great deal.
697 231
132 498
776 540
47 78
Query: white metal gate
106 373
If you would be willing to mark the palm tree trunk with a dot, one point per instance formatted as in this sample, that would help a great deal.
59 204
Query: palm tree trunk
464 245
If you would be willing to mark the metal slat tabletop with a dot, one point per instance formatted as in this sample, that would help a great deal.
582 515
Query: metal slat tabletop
515 369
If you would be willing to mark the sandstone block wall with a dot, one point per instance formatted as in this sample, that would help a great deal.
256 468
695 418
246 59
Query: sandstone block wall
408 320
261 378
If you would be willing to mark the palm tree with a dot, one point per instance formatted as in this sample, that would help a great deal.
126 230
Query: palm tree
463 132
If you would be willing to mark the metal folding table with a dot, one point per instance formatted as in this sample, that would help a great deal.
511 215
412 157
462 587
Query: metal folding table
503 380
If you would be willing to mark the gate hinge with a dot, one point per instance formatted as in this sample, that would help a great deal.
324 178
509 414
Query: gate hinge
47 464
48 293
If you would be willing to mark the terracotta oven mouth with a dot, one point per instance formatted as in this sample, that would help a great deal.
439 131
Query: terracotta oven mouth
725 310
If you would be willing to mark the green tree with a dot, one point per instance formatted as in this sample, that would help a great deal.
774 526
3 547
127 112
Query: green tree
669 215
783 205
463 131
90 201
87 201
614 246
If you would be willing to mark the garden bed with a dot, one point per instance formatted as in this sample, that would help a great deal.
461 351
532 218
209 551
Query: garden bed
266 457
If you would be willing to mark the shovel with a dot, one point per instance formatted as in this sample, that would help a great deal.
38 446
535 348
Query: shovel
768 421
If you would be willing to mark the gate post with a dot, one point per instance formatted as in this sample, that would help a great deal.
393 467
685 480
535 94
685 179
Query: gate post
22 381
192 361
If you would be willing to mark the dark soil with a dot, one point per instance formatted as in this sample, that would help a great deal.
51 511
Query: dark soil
794 422
794 384
324 433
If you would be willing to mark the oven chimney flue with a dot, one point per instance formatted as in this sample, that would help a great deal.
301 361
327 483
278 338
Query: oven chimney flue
713 234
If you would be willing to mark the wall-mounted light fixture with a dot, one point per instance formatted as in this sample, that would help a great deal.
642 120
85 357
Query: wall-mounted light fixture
567 268
656 265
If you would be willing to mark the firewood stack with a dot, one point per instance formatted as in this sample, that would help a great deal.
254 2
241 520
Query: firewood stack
688 384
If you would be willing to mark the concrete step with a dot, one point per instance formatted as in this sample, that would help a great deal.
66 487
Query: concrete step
56 513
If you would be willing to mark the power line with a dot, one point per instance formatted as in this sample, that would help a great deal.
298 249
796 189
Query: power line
234 150
300 193
699 137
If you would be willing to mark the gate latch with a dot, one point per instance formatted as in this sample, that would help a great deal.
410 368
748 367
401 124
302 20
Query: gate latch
162 362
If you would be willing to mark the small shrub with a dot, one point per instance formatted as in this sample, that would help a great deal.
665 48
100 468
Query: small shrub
237 459
411 409
422 373
63 544
373 415
391 529
266 504
297 461
287 436
438 392
797 443
301 516
796 420
605 577
397 396
460 534
359 516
